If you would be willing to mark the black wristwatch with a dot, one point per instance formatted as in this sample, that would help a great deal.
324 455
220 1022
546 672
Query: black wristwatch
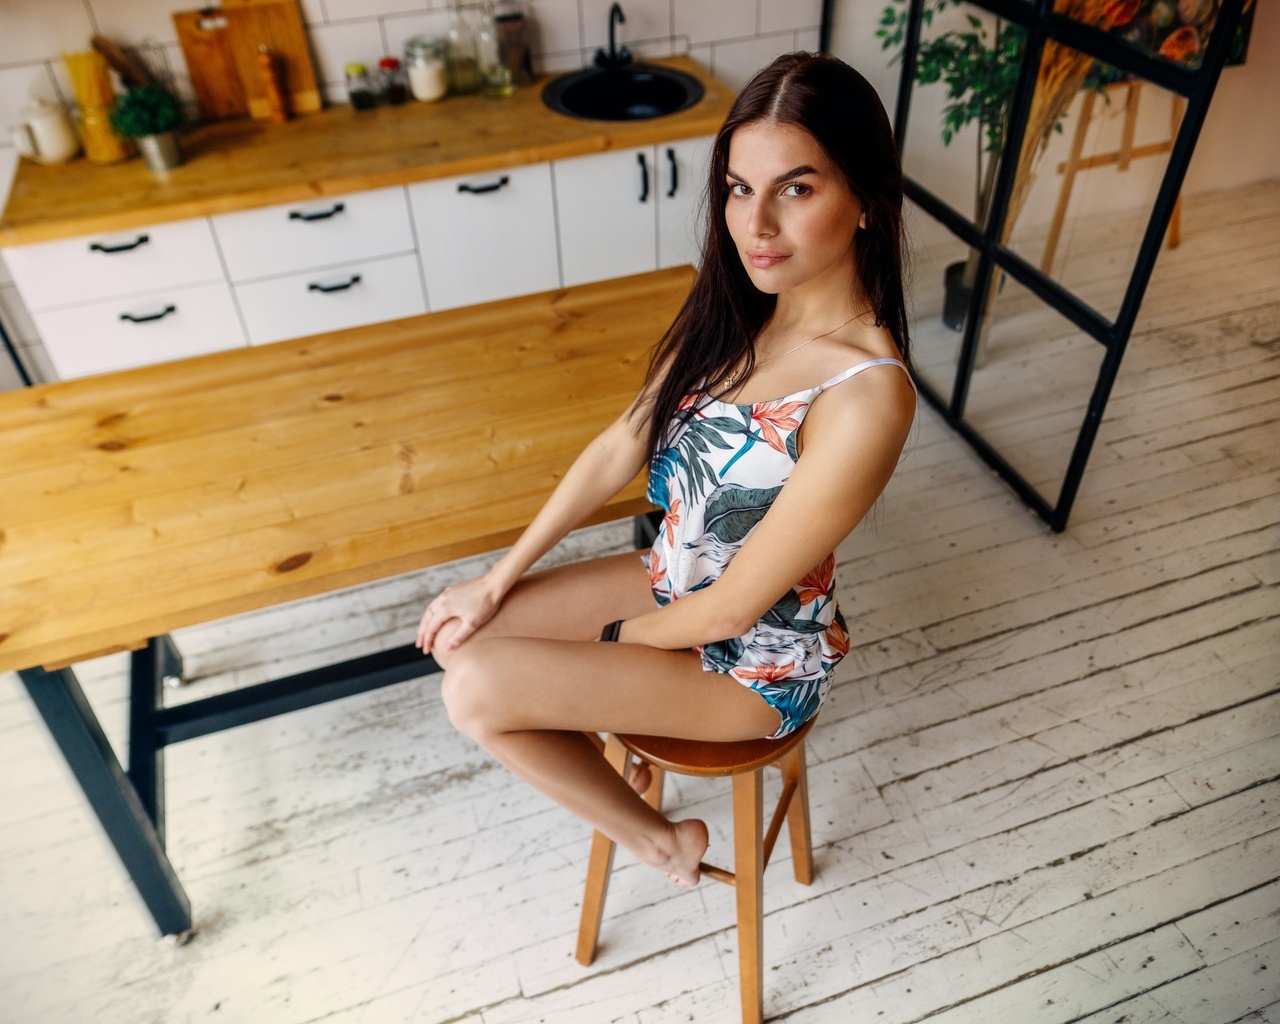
610 632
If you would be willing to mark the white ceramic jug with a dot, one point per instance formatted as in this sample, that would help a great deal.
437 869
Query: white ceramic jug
45 133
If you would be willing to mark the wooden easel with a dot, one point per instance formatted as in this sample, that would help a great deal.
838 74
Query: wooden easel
1075 162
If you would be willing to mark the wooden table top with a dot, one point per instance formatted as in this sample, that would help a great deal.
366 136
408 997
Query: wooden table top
242 164
139 502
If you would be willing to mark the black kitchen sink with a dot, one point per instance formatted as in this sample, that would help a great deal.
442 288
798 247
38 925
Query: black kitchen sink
629 93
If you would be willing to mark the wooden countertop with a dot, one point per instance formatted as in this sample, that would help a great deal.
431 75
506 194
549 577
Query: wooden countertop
241 164
139 502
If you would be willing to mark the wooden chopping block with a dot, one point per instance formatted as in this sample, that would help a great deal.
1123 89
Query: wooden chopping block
277 25
206 45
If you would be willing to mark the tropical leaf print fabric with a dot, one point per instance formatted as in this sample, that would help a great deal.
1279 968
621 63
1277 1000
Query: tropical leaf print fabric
717 477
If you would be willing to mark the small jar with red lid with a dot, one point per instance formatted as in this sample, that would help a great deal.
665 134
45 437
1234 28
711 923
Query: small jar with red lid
391 79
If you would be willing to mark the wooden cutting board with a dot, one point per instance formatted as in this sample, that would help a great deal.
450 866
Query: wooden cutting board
277 25
206 45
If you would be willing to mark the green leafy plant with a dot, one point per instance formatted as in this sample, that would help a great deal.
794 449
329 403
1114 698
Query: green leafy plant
146 110
979 67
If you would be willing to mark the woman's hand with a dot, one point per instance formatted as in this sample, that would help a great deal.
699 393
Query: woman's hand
472 604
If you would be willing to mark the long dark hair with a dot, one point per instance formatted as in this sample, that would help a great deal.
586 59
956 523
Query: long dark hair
724 312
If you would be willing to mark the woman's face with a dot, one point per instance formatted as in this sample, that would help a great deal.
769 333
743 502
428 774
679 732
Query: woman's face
790 212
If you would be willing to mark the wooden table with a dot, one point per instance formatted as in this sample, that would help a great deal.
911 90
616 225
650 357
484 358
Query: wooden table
139 502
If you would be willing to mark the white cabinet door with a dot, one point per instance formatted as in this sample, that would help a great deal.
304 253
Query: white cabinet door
139 330
486 236
284 239
682 174
75 271
331 299
606 206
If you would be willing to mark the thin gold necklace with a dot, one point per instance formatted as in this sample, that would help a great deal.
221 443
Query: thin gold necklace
726 385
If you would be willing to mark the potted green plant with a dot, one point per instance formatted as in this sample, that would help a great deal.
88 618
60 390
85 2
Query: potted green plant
979 67
150 114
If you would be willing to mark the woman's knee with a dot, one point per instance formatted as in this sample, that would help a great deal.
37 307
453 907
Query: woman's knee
468 691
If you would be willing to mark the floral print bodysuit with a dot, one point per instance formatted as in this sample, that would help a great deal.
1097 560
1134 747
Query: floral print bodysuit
721 469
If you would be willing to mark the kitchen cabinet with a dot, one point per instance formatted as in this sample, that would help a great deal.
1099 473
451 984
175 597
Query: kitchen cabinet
338 262
486 236
331 298
302 236
137 330
114 301
629 211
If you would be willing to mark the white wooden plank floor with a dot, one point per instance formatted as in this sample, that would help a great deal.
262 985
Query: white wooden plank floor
1046 790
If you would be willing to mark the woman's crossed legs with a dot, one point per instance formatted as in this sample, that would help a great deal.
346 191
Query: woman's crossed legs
530 683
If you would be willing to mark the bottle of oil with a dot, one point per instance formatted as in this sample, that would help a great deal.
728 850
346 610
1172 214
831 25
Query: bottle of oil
460 53
495 76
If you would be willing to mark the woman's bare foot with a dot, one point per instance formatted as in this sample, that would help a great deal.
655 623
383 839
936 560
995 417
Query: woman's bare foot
641 777
682 862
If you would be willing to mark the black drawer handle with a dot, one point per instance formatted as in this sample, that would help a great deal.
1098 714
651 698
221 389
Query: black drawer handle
123 247
476 190
675 174
319 214
644 178
313 287
150 316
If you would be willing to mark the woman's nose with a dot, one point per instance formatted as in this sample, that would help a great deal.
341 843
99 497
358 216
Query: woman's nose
762 221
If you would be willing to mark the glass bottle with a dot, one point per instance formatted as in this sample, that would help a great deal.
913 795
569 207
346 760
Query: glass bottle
513 31
460 53
425 57
359 88
391 78
495 76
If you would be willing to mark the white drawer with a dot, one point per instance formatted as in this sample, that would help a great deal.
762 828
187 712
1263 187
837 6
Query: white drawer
324 233
486 236
331 299
75 271
96 338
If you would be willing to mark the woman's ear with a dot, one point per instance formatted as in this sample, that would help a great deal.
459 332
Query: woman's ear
862 220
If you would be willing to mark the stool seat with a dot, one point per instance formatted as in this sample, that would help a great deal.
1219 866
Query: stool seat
745 761
699 757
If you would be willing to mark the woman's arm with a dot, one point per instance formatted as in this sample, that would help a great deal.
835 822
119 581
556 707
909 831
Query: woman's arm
606 465
853 436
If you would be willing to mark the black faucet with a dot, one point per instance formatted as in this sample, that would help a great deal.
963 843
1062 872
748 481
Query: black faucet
615 58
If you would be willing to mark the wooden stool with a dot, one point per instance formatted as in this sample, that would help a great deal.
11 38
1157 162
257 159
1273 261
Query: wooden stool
746 762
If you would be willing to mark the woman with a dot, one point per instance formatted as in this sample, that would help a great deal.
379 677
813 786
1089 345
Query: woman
727 629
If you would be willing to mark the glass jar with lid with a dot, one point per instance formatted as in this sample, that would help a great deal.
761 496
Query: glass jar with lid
391 79
359 87
424 56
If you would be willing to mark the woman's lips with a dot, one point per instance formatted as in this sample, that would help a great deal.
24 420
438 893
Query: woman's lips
764 258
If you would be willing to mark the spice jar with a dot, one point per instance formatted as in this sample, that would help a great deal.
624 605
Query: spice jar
425 57
359 88
391 78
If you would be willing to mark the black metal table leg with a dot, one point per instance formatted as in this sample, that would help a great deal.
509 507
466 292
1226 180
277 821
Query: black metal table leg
147 669
76 730
171 668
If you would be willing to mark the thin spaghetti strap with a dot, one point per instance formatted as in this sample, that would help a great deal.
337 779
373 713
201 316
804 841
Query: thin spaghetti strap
839 377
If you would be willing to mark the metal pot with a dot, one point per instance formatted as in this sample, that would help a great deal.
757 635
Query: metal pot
161 151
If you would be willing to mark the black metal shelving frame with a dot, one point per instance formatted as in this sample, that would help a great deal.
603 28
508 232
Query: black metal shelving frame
1042 24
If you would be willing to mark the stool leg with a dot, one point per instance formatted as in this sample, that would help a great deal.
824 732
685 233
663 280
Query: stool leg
599 864
653 796
795 771
748 872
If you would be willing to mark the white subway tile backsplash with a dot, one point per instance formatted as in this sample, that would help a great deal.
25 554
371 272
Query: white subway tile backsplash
647 20
779 15
18 87
334 46
807 39
132 22
554 26
40 29
708 21
735 62
396 30
349 10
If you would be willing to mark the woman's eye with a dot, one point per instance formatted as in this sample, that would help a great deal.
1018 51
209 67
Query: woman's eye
796 189
737 188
